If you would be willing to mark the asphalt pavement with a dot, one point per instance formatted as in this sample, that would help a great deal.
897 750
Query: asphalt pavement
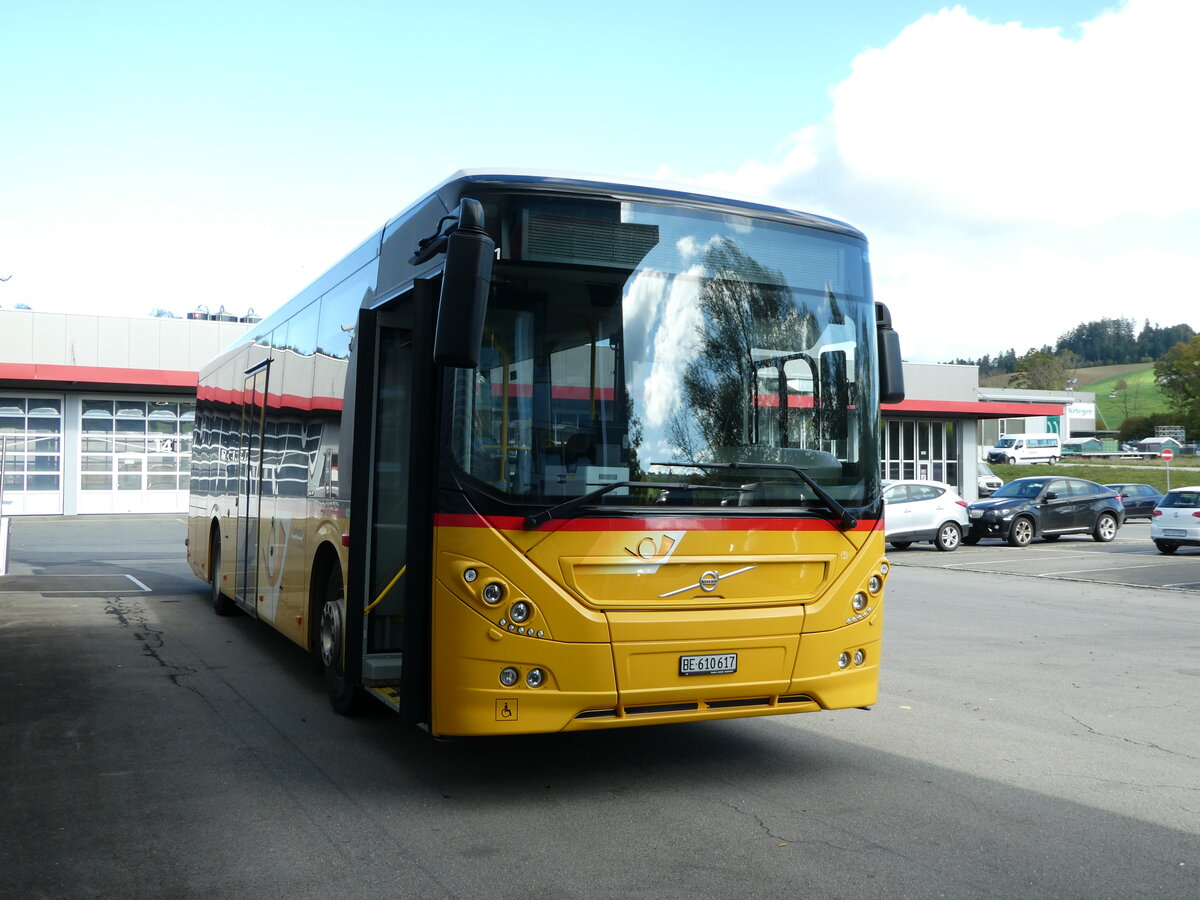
1035 737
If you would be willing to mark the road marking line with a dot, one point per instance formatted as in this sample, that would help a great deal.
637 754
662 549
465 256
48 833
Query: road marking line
1105 569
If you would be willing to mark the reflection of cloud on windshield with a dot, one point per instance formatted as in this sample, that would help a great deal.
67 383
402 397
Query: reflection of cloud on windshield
688 247
675 344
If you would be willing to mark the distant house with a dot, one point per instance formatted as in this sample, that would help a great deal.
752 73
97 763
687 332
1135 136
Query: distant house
1157 445
1082 447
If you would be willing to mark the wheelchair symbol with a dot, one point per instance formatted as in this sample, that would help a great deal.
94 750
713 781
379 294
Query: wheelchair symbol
506 710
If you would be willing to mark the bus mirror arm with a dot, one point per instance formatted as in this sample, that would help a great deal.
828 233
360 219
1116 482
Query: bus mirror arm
466 282
891 368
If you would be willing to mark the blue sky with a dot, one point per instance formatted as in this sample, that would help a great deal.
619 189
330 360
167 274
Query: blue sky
1018 166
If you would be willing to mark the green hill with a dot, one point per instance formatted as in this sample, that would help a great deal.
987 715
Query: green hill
1141 398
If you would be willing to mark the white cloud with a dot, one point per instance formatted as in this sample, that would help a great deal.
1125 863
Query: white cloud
1008 123
1013 182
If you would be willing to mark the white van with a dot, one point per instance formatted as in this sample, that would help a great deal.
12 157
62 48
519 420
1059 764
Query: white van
1015 449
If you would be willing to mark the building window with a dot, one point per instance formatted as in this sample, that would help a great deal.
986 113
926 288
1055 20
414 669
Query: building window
31 443
921 450
136 445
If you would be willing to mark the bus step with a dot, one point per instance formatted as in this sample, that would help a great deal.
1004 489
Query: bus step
389 695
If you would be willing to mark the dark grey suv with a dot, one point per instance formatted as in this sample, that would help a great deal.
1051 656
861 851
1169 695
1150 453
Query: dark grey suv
1048 508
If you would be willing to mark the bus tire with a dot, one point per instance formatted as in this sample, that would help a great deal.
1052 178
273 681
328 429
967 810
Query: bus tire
221 604
345 696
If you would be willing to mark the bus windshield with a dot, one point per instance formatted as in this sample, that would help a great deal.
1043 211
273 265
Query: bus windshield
708 354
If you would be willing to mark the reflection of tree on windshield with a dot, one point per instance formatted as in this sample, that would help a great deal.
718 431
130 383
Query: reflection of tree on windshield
750 346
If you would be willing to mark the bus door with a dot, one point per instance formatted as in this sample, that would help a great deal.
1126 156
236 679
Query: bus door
399 500
391 473
250 458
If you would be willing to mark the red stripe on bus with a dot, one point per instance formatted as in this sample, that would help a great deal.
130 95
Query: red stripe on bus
654 523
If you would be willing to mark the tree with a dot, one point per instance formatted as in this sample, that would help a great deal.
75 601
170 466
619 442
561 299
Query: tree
1041 370
1178 376
159 313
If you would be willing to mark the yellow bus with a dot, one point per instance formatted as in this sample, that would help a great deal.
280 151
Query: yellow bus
549 453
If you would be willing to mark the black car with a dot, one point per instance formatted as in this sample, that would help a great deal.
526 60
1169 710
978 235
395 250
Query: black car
1139 500
1046 507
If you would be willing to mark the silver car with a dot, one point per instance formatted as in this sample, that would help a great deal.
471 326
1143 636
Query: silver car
923 511
1176 520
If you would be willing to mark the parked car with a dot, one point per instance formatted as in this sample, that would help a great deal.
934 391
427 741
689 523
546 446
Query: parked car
1016 449
923 511
1139 500
1176 521
1048 508
987 481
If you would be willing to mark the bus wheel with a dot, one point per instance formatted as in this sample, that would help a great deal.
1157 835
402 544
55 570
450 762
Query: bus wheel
222 605
344 694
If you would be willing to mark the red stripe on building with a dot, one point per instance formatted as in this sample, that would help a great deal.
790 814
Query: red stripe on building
975 409
97 375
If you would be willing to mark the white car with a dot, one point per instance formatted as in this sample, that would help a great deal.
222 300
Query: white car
987 481
923 511
1176 520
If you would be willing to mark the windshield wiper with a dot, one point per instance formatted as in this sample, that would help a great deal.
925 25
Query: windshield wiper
845 520
540 518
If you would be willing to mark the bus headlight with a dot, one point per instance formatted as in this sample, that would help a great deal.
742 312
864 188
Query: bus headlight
859 602
875 584
509 676
843 660
493 593
521 611
535 678
859 657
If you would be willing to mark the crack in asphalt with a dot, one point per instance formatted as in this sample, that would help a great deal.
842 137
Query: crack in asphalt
133 614
1150 744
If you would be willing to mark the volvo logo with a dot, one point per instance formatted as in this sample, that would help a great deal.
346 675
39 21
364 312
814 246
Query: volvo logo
708 581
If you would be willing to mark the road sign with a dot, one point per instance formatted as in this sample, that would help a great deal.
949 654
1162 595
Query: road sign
1168 454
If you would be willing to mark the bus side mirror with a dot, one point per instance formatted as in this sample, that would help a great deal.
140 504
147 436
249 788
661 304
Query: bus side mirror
465 285
891 369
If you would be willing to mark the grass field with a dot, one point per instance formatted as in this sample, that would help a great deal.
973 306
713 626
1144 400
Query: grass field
1141 398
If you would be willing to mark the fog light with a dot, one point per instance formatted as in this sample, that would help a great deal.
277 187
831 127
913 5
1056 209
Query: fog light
875 584
520 612
509 676
535 678
470 575
493 592
859 657
843 660
859 602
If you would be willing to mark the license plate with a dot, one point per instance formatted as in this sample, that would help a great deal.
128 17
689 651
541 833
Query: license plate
708 664
1174 532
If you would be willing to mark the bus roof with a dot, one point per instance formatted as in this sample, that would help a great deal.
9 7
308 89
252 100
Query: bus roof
632 188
